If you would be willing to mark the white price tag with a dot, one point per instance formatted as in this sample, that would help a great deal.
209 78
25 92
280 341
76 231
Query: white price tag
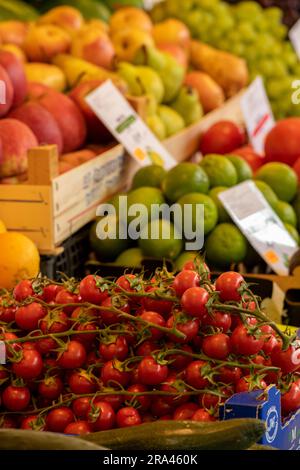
257 113
294 35
260 224
127 127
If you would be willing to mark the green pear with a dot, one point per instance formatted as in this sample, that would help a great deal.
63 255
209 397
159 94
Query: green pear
187 105
142 80
128 73
171 73
151 105
172 120
157 126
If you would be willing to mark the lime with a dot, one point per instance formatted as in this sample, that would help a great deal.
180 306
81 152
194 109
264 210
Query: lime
132 258
293 232
184 258
151 176
145 196
109 248
222 212
286 213
282 179
183 179
243 169
220 170
210 211
226 245
168 244
267 192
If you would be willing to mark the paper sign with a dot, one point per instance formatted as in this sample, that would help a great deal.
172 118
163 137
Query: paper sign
294 35
260 224
127 127
257 113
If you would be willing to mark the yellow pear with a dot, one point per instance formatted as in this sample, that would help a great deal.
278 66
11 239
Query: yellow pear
128 41
47 74
64 16
132 18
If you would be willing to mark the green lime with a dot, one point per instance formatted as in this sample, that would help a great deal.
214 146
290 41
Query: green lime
109 248
210 211
225 245
151 176
267 192
286 213
220 171
184 258
168 243
132 258
282 179
148 197
243 169
293 232
183 179
222 212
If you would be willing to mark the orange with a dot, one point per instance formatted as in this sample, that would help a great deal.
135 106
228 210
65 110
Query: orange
19 259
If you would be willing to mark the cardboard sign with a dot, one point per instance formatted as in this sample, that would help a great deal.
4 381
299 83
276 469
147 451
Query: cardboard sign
294 35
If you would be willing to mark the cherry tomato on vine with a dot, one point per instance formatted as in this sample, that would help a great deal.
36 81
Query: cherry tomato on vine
115 401
202 415
101 416
116 349
58 419
172 385
143 401
290 400
185 280
161 306
50 292
127 417
73 356
54 322
8 422
229 375
81 407
50 387
9 348
178 361
229 286
216 346
288 360
160 407
82 382
150 372
194 374
109 317
185 412
15 398
111 374
7 311
64 297
78 427
29 316
220 320
189 327
146 348
33 423
244 343
248 384
194 301
127 282
23 290
84 321
29 366
92 289
154 317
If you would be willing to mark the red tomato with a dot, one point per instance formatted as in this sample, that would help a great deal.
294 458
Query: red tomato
58 419
109 317
178 361
92 289
33 423
127 282
160 407
8 422
246 384
288 361
193 374
65 297
7 310
154 317
229 375
81 407
144 401
216 346
184 280
117 349
127 417
78 427
146 348
15 398
23 290
30 365
11 346
45 345
282 142
50 292
250 156
50 387
270 342
189 328
54 322
185 412
86 339
150 372
229 286
163 307
73 356
167 386
290 400
116 401
82 382
202 415
221 138
101 416
110 374
220 320
28 317
244 343
194 301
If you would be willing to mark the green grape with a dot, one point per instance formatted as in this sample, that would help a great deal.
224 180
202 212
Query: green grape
225 22
194 22
247 10
205 4
238 49
279 68
280 31
250 54
174 8
266 67
234 36
290 59
273 15
277 87
246 31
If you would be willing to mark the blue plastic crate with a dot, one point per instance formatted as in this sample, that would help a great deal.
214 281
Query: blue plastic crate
265 405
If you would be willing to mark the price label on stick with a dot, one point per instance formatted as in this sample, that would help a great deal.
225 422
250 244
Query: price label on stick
260 224
127 127
294 35
257 113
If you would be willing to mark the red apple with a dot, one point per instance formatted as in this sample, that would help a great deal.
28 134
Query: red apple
16 71
96 130
252 158
16 140
95 46
41 122
6 92
177 52
283 141
68 117
223 137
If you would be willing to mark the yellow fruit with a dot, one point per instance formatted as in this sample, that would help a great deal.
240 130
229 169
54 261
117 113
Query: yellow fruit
19 259
64 16
2 227
130 17
129 41
47 74
76 69
98 24
16 50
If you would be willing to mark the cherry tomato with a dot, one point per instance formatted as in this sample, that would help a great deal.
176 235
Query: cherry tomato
185 412
45 345
33 423
127 282
185 280
144 401
202 415
73 357
50 387
244 343
194 301
270 342
15 398
163 307
189 327
110 374
150 372
82 382
50 292
127 417
288 361
229 375
58 419
117 349
8 422
247 384
229 285
154 317
78 427
216 346
7 310
178 361
23 290
160 407
81 407
290 400
193 374
109 317
146 348
92 289
65 297
116 401
101 416
9 348
30 365
219 320
29 316
169 386
209 401
54 322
